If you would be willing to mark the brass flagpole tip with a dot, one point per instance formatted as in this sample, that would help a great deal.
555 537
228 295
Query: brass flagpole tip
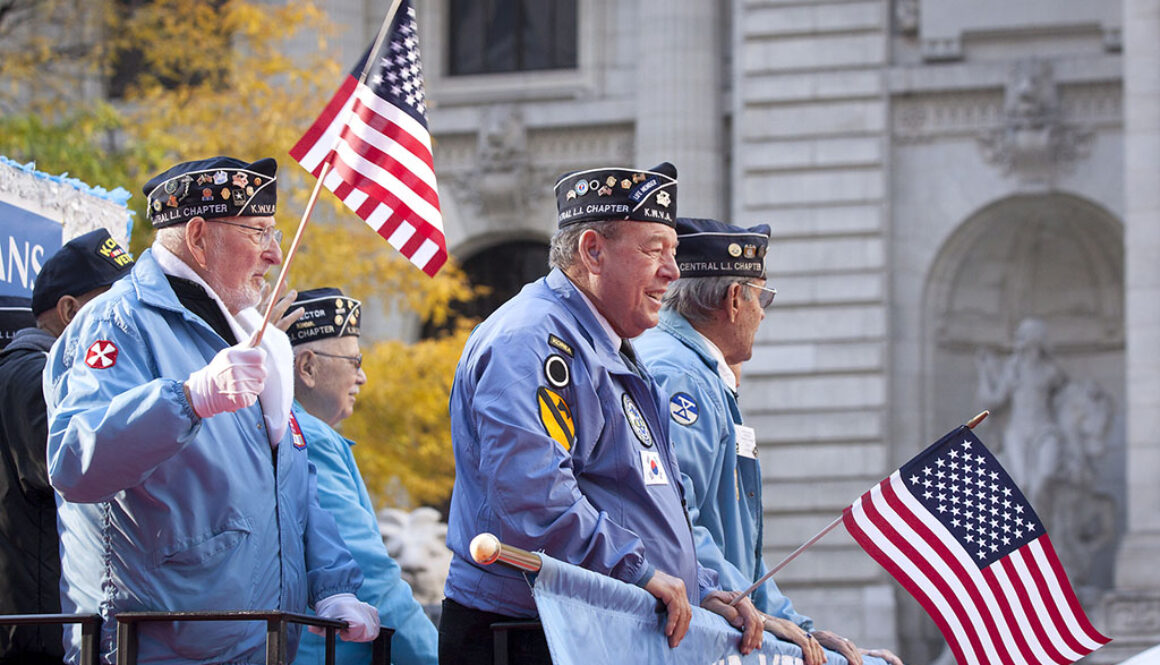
484 548
978 419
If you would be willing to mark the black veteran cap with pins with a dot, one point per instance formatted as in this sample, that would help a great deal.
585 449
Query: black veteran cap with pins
614 193
328 314
214 187
83 264
708 248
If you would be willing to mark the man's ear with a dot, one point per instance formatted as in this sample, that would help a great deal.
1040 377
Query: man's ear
66 309
306 367
591 251
197 240
733 298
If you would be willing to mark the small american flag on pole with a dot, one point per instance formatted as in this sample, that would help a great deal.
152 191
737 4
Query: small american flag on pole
373 133
956 532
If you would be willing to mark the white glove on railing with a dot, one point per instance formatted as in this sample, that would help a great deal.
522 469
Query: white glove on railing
362 620
231 381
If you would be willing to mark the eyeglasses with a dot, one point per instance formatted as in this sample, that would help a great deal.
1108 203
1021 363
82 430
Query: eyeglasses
265 233
357 360
765 298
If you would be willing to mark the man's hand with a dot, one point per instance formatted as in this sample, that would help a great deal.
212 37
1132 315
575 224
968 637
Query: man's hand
840 644
743 616
885 654
362 620
231 381
671 591
786 630
281 319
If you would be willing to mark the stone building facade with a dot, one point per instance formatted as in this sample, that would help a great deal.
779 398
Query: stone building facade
936 173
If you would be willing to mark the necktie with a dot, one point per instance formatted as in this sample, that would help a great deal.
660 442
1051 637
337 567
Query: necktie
629 355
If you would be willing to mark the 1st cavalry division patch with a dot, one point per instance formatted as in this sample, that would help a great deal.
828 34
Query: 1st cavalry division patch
556 417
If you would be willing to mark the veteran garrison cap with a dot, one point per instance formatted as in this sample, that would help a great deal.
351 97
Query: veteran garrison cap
214 187
85 263
615 193
708 248
328 314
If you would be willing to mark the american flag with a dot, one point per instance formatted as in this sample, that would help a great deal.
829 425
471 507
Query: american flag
956 532
374 135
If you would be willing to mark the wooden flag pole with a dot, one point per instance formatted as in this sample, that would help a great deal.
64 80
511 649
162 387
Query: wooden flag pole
829 527
383 30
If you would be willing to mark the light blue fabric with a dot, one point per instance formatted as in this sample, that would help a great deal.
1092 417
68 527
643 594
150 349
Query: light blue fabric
160 510
342 493
589 505
723 489
589 618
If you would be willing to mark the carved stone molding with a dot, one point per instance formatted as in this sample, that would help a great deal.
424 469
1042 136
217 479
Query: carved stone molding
1034 142
1133 615
506 166
78 207
906 17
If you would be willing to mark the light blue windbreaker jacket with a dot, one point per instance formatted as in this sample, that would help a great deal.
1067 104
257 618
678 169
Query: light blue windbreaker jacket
342 493
722 488
609 501
160 510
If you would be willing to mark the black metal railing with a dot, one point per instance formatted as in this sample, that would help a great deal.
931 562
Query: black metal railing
90 630
277 624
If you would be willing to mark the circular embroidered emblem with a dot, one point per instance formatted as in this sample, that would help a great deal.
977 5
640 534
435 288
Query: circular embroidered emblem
556 370
102 354
635 421
683 409
734 250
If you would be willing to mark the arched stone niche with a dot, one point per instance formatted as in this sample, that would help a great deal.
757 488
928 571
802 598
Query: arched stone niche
1057 259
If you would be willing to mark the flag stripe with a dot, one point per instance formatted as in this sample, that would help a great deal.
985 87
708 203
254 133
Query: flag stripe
1063 589
381 183
936 571
1006 577
1048 605
394 124
931 536
369 151
867 534
314 140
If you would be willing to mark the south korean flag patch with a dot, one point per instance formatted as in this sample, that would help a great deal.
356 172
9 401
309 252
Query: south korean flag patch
652 469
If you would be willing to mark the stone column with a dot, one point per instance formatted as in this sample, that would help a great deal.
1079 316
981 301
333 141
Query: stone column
1134 607
679 110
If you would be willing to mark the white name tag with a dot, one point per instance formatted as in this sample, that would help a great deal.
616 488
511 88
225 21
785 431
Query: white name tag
651 467
746 441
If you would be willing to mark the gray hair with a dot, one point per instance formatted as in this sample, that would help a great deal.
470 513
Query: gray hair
171 238
565 243
696 298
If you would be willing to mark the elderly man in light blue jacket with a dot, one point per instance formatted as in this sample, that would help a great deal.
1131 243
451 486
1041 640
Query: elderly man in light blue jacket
707 327
328 375
179 485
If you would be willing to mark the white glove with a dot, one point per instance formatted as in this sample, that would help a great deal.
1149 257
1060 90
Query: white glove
231 381
362 620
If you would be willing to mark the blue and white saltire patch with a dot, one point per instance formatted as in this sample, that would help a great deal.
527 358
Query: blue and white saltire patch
683 409
635 421
592 618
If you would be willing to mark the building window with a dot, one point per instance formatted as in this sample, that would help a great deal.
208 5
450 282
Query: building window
493 36
504 269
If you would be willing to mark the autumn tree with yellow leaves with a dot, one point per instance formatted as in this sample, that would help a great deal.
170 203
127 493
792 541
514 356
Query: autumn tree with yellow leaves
195 78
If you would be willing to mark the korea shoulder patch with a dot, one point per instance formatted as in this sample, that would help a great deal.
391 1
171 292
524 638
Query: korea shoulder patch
635 420
101 354
296 433
556 417
560 344
683 409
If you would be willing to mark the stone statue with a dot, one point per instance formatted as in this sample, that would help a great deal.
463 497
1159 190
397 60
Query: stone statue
417 541
1055 434
1024 385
